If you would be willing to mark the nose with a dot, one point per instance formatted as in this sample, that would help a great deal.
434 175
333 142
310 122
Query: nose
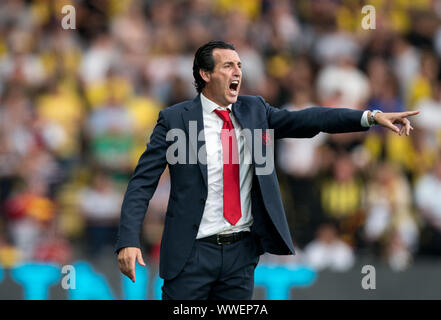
237 71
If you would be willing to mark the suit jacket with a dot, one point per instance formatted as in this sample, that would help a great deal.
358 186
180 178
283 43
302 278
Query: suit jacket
189 181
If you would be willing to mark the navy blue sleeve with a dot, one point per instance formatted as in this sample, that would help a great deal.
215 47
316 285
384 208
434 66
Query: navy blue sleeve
142 186
308 122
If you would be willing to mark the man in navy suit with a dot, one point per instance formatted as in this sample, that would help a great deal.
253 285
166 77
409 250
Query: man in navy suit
224 211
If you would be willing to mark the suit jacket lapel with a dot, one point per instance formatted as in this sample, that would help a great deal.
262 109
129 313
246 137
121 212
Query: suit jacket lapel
242 114
194 124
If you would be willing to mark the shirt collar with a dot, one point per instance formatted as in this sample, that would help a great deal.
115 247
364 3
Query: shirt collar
209 106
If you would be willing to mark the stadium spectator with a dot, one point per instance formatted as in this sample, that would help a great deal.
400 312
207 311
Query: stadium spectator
341 197
428 201
327 251
390 222
100 205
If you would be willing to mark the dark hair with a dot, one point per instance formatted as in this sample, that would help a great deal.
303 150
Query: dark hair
203 59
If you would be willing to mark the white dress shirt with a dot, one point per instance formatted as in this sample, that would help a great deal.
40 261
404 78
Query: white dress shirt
213 221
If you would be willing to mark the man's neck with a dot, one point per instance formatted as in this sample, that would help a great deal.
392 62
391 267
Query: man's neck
210 97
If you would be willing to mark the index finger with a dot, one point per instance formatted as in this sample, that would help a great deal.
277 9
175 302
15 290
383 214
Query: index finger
410 113
132 269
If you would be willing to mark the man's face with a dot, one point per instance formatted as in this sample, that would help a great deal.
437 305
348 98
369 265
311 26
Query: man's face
223 83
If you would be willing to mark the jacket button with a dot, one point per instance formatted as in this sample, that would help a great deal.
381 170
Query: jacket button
195 226
202 200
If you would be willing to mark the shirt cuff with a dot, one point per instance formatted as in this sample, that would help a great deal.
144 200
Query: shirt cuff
364 119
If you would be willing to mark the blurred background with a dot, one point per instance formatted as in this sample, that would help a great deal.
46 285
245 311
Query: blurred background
78 106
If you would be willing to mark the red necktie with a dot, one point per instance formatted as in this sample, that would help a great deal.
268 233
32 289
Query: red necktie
232 210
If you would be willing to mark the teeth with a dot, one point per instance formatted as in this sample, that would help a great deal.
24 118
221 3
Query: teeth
235 81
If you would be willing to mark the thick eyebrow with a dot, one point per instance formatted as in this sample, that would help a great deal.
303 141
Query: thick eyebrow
232 63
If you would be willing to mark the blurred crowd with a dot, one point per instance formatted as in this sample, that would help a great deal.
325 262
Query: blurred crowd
77 107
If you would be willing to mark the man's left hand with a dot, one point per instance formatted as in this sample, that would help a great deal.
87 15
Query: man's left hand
389 119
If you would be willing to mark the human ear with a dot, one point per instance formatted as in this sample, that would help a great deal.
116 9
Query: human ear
206 75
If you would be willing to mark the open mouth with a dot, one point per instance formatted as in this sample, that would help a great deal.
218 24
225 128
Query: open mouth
234 86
